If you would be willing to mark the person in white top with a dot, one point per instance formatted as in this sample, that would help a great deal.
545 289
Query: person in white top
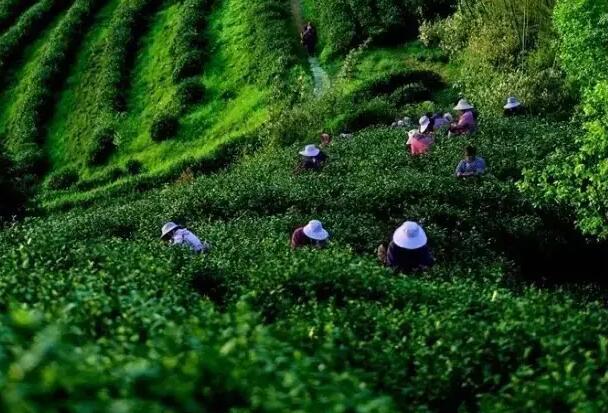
177 235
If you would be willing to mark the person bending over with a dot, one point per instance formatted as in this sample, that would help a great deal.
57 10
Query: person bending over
408 250
311 235
177 235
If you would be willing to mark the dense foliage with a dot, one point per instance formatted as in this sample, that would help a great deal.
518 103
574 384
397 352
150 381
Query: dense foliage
345 24
257 327
505 48
35 104
578 174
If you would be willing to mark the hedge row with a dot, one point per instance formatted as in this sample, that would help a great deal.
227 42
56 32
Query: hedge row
127 25
189 43
29 25
34 105
255 326
10 11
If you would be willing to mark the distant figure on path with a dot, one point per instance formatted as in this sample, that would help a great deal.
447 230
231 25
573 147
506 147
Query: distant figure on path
308 37
177 235
466 122
513 107
472 165
313 158
311 235
408 251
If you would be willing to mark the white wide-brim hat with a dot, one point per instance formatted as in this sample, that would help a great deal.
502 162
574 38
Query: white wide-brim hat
463 104
310 151
424 122
512 103
410 236
314 230
168 228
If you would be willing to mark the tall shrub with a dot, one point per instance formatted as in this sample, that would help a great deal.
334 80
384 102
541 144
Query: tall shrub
579 177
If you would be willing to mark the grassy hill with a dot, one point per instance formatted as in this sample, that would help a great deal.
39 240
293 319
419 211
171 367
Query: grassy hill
121 115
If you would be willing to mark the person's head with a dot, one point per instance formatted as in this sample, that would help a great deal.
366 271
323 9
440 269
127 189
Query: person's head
448 117
410 236
426 125
315 231
168 230
463 106
512 103
310 151
470 152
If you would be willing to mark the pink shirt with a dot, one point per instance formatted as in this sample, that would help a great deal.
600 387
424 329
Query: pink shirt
420 144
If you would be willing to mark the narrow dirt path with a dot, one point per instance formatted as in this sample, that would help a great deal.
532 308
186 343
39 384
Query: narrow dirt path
319 75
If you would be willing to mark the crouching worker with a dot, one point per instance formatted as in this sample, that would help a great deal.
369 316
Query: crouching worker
472 165
513 107
408 251
177 235
311 235
313 158
466 122
419 143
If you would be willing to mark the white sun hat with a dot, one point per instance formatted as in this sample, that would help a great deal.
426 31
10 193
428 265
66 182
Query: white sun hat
512 102
400 123
410 236
310 151
463 104
448 116
424 122
168 228
314 230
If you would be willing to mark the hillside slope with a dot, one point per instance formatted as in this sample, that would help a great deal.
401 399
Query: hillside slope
98 315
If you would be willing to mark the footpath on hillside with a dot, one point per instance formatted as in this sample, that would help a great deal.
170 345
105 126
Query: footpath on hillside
319 75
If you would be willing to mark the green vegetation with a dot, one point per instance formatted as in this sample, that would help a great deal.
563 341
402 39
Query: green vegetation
120 115
578 176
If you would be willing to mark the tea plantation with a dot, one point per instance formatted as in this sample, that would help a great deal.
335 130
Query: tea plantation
120 115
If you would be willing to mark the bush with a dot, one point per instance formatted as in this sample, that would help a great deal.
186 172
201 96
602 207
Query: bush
164 126
187 66
190 91
134 167
578 177
63 179
29 24
32 106
103 146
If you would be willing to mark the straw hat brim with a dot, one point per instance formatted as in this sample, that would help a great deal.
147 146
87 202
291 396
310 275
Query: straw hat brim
320 235
401 239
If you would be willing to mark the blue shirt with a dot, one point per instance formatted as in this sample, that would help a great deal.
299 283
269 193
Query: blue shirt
477 166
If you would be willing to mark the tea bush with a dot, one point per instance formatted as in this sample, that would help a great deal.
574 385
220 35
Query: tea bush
343 25
134 167
63 179
102 147
10 10
577 175
29 24
254 325
164 126
34 105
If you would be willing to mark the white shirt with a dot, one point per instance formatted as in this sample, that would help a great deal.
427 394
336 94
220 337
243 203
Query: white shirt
186 238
